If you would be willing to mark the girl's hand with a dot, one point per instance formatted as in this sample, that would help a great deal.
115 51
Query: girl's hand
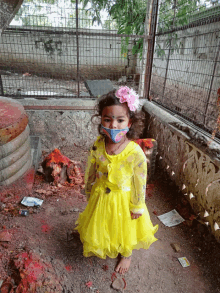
135 216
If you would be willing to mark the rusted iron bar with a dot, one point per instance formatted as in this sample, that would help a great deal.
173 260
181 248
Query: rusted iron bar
114 35
77 48
38 97
1 87
150 51
192 24
70 32
168 57
37 107
210 88
2 72
167 66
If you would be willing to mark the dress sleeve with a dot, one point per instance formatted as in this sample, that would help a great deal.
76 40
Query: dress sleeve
90 174
138 190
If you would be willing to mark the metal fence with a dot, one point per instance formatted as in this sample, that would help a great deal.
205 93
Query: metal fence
186 66
52 50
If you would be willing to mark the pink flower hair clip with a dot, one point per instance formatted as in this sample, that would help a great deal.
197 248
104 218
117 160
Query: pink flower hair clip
125 94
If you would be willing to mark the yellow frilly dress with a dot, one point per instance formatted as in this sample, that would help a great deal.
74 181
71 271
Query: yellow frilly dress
115 186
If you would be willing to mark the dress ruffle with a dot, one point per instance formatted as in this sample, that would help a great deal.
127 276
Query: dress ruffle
106 227
115 187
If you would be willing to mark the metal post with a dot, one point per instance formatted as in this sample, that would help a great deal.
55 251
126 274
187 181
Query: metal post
77 48
210 88
145 48
1 87
150 52
168 57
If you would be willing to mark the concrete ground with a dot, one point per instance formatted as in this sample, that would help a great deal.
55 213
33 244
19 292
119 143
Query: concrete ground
43 234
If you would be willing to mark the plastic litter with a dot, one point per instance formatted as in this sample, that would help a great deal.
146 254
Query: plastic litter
184 261
24 213
31 201
171 218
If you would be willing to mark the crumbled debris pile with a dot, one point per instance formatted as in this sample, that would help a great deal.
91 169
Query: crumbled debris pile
31 273
61 170
9 203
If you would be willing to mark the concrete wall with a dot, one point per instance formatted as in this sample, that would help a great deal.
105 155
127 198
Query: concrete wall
190 163
65 127
190 72
198 47
56 51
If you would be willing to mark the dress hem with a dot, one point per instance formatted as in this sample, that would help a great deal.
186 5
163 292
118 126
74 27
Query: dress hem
89 250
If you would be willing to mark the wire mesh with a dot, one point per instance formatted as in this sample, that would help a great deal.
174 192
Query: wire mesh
51 49
186 67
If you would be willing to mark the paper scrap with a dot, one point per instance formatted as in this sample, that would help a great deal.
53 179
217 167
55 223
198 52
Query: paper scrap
171 218
184 261
31 201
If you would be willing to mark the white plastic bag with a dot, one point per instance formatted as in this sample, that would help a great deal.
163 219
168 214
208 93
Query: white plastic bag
31 201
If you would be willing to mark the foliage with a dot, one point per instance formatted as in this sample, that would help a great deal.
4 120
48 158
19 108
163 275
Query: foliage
51 13
129 16
172 14
175 13
130 23
109 24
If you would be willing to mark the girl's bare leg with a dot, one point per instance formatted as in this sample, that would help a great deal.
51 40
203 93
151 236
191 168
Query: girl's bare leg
123 265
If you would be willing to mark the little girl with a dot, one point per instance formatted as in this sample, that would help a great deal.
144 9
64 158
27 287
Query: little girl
116 219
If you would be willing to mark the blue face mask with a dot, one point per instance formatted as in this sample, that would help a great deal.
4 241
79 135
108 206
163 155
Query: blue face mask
115 134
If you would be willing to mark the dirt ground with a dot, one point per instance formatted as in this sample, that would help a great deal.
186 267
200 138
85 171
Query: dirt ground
26 84
38 257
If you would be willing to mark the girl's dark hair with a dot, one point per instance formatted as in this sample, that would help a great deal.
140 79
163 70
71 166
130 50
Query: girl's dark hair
137 118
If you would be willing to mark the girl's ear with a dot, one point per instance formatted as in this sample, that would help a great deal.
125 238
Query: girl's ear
129 123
